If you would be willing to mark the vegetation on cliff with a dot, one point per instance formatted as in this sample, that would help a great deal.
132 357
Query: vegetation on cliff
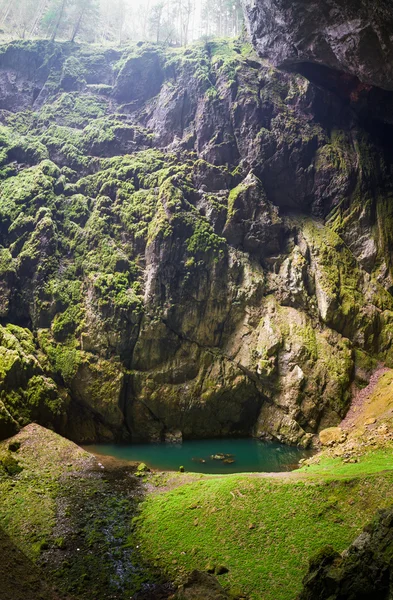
147 230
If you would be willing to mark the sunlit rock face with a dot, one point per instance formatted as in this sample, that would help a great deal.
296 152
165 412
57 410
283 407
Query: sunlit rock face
351 36
192 243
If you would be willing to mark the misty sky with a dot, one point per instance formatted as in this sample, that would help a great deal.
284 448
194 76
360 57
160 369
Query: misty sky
196 18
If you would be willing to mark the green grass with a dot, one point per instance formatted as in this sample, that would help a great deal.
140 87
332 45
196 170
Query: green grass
376 461
27 503
53 499
264 529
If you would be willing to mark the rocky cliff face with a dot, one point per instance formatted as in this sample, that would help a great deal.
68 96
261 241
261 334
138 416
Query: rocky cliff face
364 570
351 36
192 243
345 46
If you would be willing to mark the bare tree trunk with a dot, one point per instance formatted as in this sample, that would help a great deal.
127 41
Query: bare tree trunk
191 28
186 22
56 29
6 12
159 21
145 19
40 12
180 21
122 17
121 29
208 17
78 24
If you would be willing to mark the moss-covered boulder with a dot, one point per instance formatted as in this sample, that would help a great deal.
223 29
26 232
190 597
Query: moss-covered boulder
361 571
201 586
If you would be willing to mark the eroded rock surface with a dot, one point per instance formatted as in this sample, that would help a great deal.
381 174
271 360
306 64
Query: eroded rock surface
205 255
351 36
364 570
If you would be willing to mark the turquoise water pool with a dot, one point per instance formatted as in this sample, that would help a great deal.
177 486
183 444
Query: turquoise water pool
209 456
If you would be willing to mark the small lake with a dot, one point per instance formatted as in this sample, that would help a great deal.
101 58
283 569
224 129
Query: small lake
209 456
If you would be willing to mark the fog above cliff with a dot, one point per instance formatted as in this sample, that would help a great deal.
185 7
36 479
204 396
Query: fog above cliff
171 22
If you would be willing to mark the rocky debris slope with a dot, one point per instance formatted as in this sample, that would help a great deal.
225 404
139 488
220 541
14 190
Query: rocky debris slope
191 244
368 425
364 570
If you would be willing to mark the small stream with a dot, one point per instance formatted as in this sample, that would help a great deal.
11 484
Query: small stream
218 456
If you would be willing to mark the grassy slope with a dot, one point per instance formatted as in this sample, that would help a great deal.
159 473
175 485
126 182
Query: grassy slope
262 529
28 502
265 528
69 520
28 508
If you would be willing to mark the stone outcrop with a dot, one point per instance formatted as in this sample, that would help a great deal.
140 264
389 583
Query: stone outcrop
201 586
343 46
364 570
206 254
348 36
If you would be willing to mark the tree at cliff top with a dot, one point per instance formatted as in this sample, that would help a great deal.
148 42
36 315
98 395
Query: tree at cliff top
222 18
70 17
85 15
173 22
19 16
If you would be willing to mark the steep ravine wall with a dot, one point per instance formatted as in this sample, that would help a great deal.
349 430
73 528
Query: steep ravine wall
351 36
192 243
345 46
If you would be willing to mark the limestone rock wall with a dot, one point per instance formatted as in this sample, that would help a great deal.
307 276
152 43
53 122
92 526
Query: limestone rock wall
352 36
191 240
